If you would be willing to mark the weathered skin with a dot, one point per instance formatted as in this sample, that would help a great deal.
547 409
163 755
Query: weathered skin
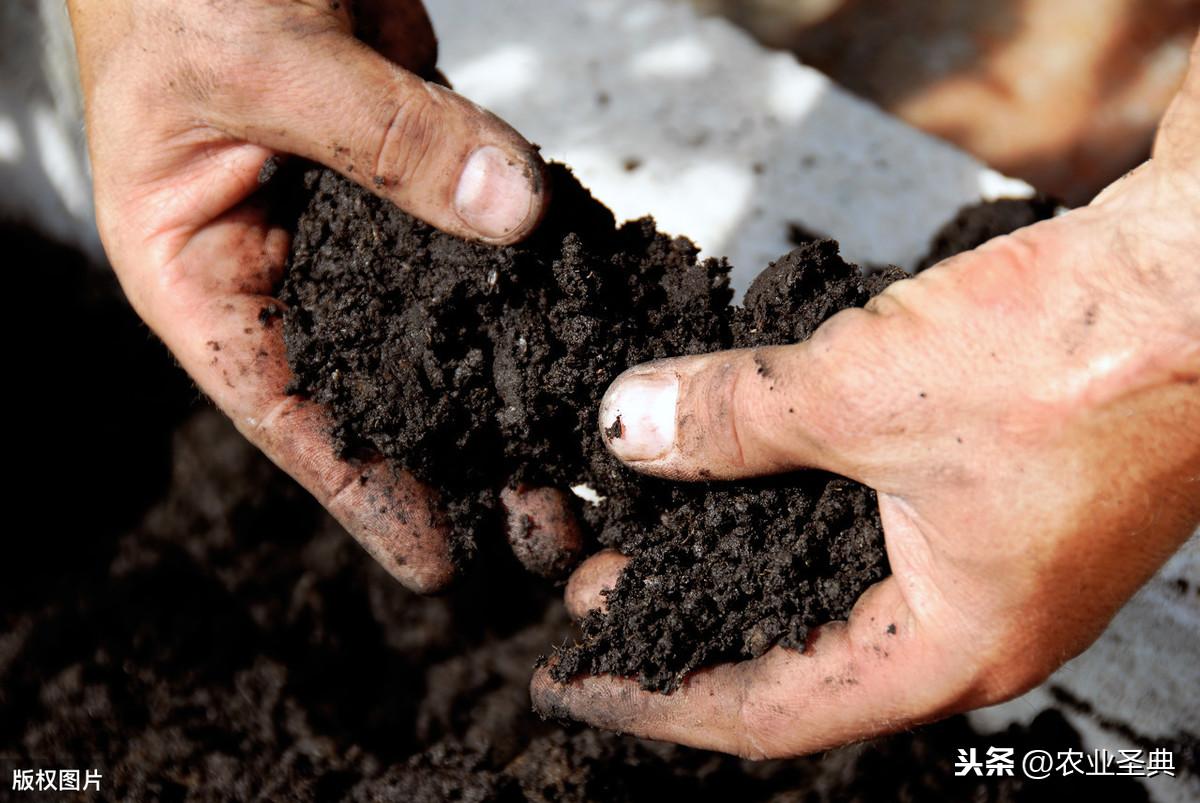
1029 414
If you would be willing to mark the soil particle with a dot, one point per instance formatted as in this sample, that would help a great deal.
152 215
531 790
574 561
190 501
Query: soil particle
269 314
268 170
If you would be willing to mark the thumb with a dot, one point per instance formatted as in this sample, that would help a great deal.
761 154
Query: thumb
736 414
436 155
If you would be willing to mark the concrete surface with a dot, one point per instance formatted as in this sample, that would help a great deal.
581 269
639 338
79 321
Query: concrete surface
43 154
662 112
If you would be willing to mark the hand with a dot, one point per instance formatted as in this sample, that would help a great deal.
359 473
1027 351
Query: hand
185 102
1029 414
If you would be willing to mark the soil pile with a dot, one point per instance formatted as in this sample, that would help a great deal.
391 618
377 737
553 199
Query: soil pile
479 367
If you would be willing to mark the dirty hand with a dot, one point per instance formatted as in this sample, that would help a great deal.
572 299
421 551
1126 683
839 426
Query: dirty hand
1029 414
185 102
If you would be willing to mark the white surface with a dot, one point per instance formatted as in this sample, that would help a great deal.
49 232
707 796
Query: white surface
734 142
43 157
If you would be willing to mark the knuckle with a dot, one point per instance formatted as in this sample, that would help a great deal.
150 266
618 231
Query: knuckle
768 708
407 140
760 728
707 414
893 301
1009 257
750 387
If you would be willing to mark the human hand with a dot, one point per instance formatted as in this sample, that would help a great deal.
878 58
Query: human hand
1029 414
185 102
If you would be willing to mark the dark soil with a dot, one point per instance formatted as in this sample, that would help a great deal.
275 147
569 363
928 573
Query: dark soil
976 224
179 615
479 367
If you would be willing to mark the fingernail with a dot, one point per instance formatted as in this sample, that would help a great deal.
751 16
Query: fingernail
637 416
494 196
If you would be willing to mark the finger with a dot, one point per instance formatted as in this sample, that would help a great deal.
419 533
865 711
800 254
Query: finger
876 674
729 414
433 153
542 530
588 584
213 310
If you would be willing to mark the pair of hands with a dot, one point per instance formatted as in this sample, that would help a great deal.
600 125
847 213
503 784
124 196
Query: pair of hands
1029 413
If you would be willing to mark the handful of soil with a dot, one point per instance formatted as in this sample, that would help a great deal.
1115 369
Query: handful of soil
479 367
199 629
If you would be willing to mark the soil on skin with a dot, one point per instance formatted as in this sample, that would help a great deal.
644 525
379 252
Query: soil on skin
479 367
195 627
